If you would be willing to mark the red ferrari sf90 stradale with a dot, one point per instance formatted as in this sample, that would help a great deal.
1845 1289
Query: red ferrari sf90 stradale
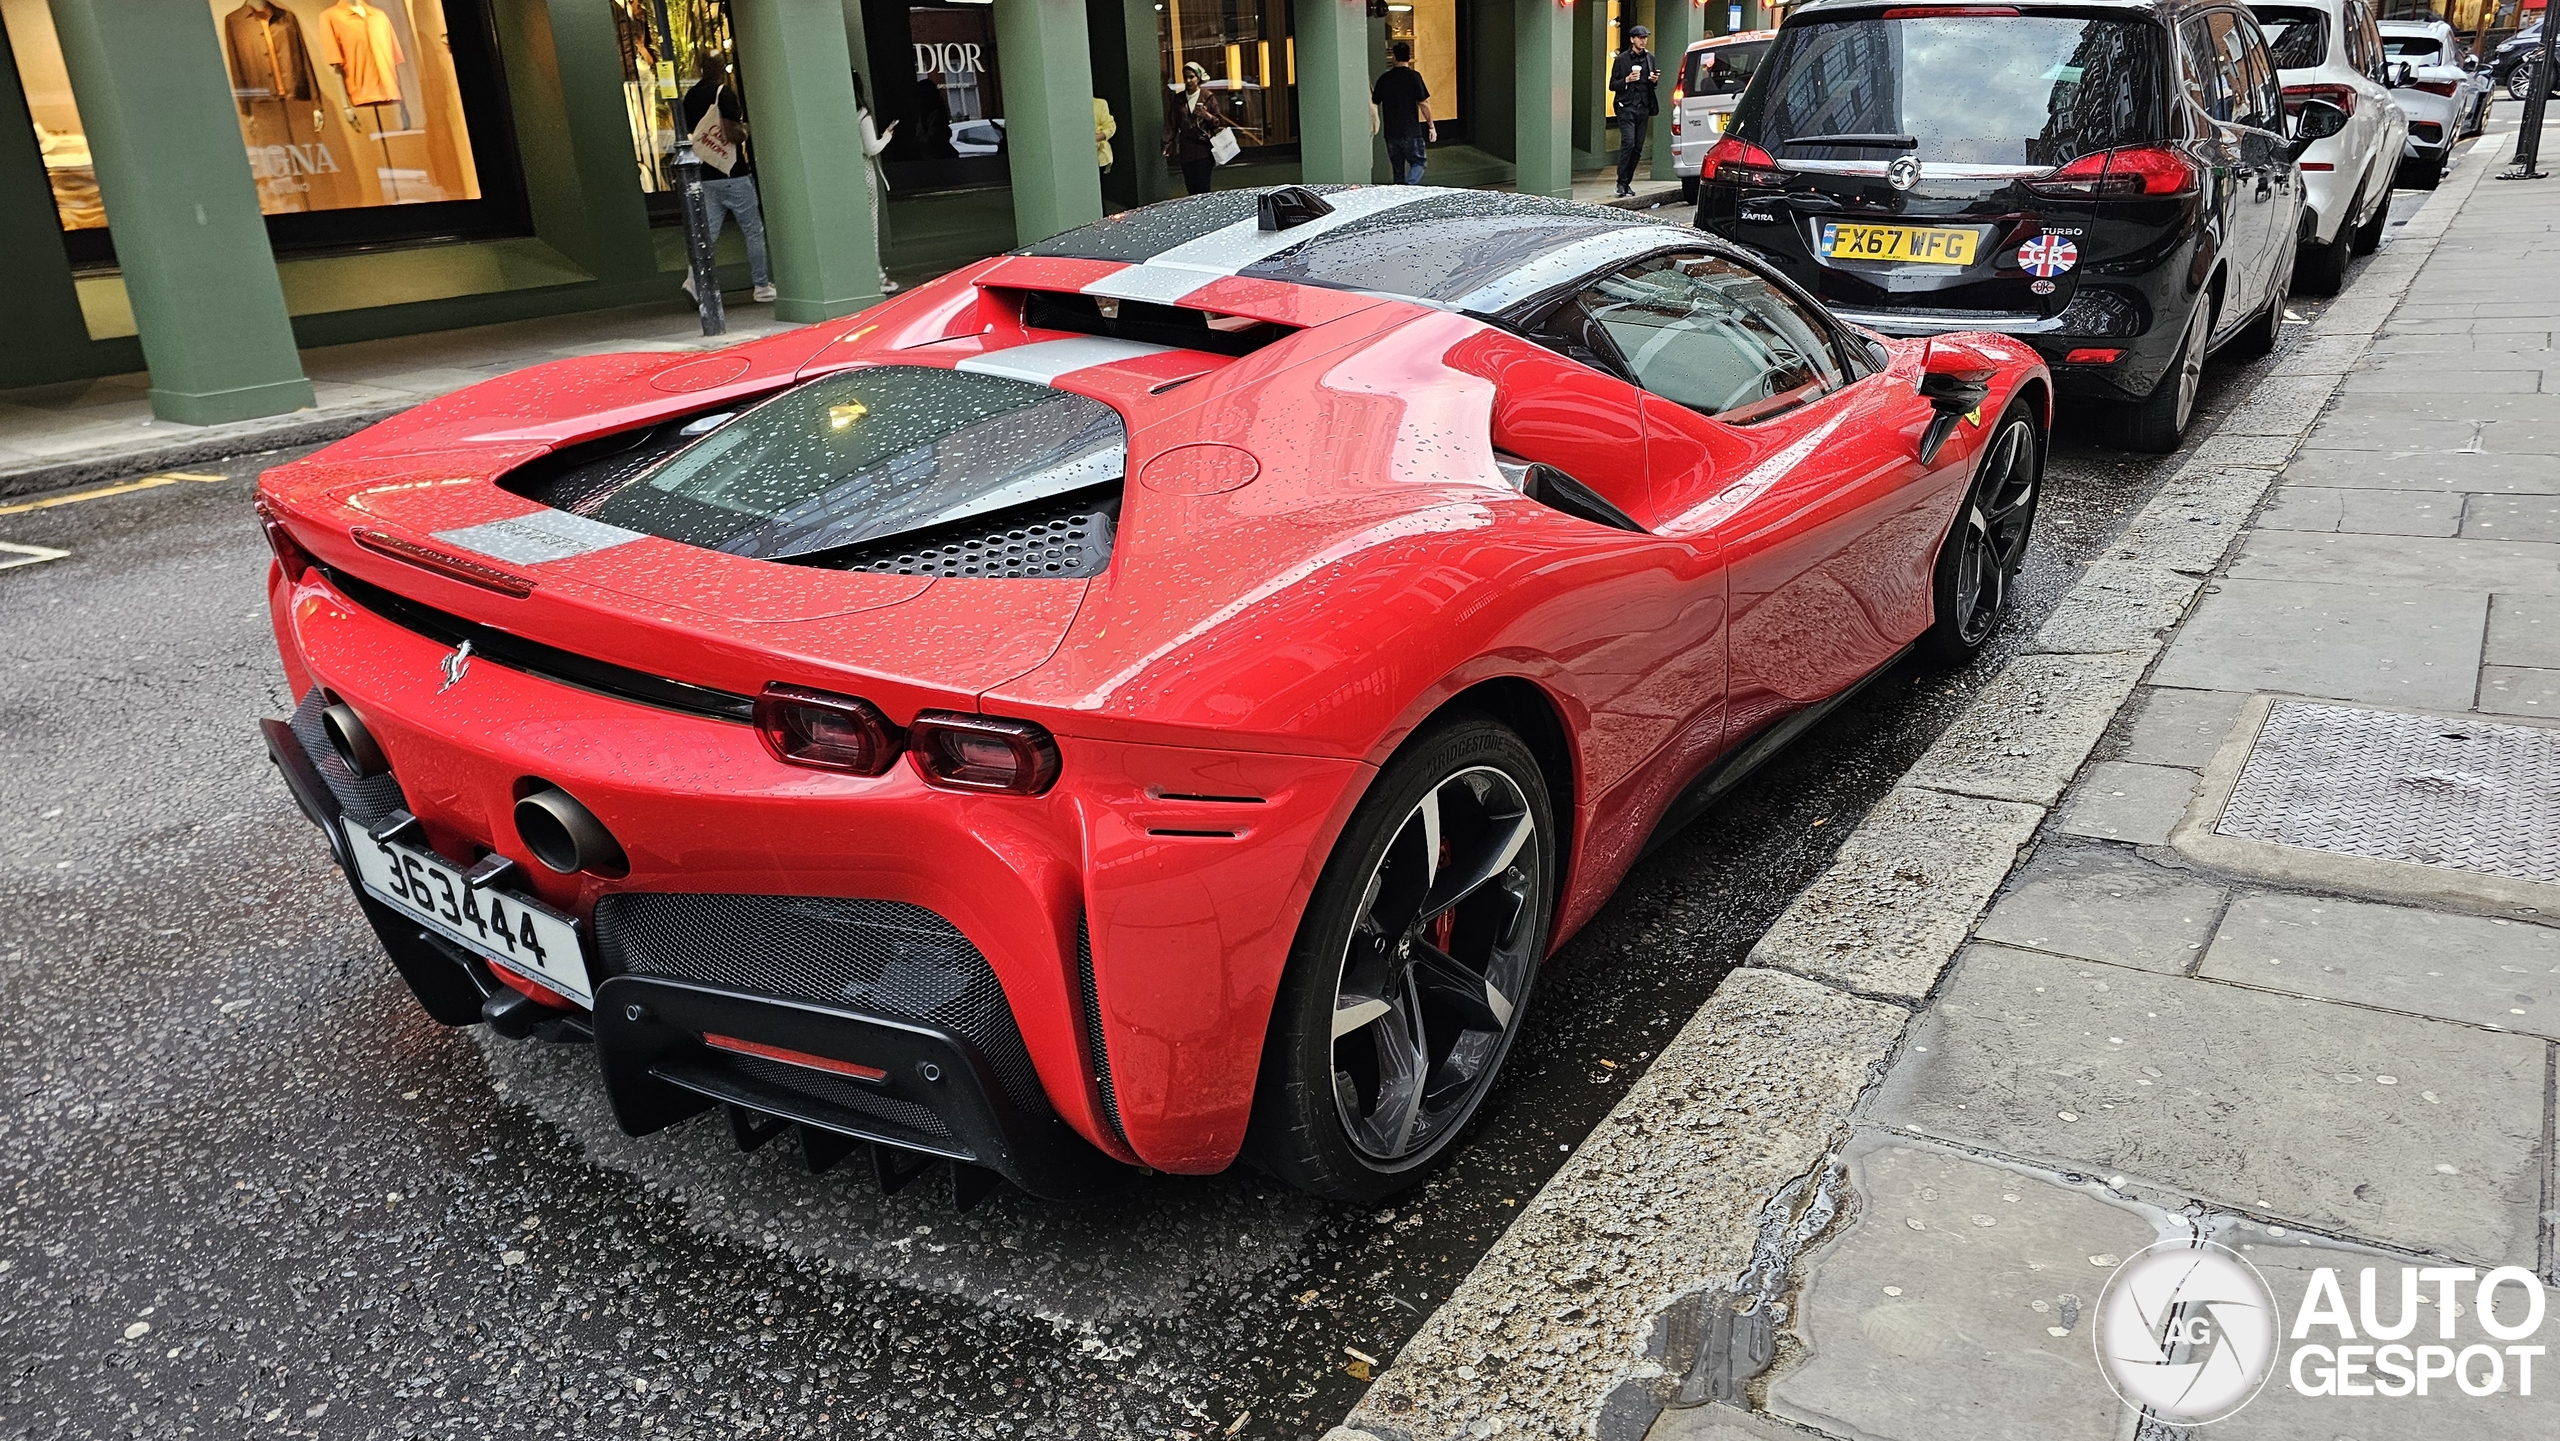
1153 696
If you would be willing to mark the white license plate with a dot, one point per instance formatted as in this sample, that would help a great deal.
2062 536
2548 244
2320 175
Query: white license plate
530 939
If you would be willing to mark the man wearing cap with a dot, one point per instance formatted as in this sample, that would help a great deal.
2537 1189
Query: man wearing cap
1632 75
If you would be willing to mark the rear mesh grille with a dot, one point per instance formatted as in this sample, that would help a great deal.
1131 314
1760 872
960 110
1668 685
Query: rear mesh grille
366 800
1093 1030
1065 539
883 958
837 1091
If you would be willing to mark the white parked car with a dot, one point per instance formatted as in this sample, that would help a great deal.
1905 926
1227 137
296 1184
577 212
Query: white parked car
1712 76
2331 50
2446 99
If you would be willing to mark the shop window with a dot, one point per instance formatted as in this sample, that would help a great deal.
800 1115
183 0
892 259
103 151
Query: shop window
935 74
699 42
1431 28
1251 60
364 120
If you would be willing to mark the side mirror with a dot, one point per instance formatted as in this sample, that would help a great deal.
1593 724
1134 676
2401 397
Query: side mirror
2395 76
2471 63
1956 382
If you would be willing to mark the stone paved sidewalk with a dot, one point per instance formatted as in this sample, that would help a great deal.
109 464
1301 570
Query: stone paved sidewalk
2057 1000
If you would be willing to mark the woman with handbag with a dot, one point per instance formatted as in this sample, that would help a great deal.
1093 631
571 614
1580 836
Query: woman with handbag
1191 130
874 141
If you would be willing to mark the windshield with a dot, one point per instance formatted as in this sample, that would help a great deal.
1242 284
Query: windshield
1723 69
2416 49
869 453
2298 38
2036 90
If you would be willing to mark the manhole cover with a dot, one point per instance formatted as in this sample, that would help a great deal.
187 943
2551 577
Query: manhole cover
2467 795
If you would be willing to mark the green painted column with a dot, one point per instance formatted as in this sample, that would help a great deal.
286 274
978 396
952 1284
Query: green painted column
1048 116
1594 140
1333 91
1675 26
564 90
798 73
1542 126
1130 75
155 99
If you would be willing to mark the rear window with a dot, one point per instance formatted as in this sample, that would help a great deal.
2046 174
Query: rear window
2011 90
1723 69
2416 49
866 454
2297 35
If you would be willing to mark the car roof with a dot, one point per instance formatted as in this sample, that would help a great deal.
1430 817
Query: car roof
2164 9
1473 250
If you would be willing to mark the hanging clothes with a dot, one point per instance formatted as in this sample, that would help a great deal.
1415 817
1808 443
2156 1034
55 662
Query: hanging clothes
365 49
269 60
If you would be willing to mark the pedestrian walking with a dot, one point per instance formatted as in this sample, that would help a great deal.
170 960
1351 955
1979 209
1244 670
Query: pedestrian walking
716 120
1191 131
1404 116
875 140
1632 77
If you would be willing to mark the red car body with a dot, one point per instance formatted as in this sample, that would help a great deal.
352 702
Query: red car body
1315 552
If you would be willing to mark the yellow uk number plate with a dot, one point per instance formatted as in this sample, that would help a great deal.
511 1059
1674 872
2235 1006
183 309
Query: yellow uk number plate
1927 245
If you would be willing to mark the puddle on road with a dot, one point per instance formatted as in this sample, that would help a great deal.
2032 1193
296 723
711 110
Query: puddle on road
1138 1253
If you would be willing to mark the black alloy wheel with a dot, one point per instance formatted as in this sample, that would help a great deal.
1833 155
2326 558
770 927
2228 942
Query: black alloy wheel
2368 236
1980 561
2155 424
1412 969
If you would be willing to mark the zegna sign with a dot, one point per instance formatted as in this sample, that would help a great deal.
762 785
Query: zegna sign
948 57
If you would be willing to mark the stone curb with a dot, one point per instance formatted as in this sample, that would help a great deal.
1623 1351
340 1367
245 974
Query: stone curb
212 443
1555 1332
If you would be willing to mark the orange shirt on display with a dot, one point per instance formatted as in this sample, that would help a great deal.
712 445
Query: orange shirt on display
365 51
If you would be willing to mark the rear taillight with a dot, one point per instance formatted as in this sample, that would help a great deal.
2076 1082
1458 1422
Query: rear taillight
983 753
289 552
825 731
2094 355
2137 170
2342 96
1737 161
2437 87
445 563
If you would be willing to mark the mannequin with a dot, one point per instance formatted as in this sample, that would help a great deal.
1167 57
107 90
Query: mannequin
357 38
272 78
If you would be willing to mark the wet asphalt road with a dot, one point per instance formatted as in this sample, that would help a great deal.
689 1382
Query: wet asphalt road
247 1189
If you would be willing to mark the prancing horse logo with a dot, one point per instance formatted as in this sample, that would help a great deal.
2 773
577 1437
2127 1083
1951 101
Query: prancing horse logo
455 666
1903 173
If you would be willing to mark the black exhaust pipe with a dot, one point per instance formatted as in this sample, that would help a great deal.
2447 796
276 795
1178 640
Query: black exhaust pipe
353 743
566 836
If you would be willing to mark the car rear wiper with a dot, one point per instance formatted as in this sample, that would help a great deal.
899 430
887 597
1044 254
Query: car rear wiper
1860 141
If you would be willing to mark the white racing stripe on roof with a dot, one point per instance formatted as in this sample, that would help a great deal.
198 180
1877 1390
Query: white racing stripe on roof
1043 361
1222 252
543 535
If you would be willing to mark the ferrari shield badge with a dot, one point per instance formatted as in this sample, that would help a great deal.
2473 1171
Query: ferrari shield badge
2047 256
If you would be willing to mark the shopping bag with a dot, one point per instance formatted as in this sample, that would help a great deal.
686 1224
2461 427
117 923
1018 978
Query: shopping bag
1224 146
713 145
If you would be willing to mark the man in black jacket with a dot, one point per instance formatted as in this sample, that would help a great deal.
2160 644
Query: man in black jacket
1632 75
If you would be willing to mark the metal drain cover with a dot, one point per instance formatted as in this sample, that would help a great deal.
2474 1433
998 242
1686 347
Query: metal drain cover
2463 794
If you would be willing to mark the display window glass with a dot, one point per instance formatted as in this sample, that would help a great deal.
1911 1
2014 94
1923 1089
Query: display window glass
935 75
1251 59
362 119
1431 28
697 41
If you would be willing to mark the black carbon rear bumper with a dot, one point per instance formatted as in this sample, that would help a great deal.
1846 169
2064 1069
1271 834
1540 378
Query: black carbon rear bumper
913 1087
937 1092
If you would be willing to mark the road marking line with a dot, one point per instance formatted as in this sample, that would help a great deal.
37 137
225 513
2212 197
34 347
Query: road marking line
123 487
13 556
